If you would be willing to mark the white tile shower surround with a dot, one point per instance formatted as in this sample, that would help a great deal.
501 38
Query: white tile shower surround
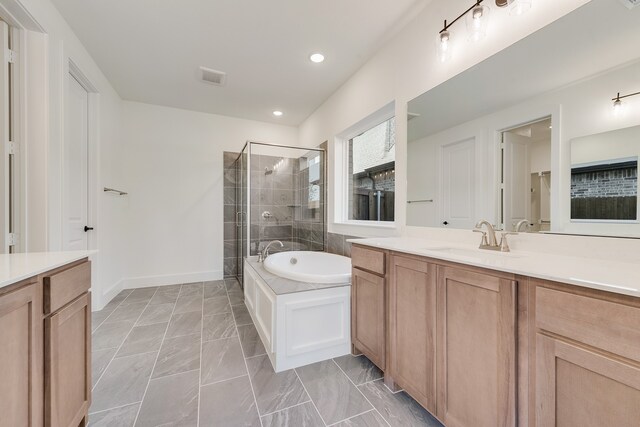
187 355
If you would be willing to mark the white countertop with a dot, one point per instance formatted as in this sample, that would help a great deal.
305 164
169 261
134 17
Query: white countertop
606 275
17 267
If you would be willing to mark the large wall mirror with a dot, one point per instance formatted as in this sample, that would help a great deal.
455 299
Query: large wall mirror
530 138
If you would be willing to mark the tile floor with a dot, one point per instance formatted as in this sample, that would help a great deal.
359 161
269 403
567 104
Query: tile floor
189 355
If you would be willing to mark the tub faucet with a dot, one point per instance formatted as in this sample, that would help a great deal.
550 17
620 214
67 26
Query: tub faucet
263 254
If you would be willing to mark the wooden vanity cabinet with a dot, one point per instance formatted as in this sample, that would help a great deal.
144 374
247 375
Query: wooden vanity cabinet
476 348
412 328
585 357
45 351
21 359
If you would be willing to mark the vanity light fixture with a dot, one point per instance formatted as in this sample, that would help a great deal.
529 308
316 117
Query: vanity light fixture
617 101
516 7
476 26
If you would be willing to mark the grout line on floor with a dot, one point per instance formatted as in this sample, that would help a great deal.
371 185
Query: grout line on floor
360 391
157 356
123 341
226 379
288 407
174 374
306 391
353 416
200 368
115 407
246 365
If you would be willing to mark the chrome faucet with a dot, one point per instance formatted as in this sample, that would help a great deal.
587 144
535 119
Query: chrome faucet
263 254
522 225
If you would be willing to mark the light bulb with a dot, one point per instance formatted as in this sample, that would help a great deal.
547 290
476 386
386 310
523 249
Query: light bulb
477 22
618 106
444 46
520 7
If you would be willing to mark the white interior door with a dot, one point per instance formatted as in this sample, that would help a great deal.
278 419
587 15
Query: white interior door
458 178
75 169
5 196
517 179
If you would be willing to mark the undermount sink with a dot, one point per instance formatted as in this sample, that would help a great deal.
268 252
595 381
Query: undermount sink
474 253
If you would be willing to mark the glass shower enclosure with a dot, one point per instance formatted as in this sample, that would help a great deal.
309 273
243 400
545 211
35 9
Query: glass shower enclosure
280 195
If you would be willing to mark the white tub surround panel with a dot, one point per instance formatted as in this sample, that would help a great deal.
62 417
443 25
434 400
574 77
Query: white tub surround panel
604 274
298 323
17 267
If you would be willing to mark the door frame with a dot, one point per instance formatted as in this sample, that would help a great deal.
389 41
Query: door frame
74 71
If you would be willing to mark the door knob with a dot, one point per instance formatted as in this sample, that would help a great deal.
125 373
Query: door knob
87 228
445 223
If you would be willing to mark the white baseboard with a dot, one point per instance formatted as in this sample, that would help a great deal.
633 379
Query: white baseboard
170 279
99 301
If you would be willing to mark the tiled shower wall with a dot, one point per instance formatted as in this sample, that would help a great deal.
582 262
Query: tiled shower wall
230 246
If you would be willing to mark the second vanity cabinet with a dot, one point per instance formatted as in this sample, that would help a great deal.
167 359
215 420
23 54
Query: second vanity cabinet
45 356
479 347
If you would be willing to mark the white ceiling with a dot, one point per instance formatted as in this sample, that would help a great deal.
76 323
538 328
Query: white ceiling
150 50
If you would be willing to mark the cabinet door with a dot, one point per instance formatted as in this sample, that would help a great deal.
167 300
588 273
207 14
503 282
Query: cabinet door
21 358
578 387
68 364
412 328
476 347
368 315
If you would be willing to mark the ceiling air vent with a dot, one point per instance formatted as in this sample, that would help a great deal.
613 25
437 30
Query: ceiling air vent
630 3
213 77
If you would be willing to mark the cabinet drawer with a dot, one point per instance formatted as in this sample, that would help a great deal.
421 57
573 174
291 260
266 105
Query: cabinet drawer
606 325
63 287
368 259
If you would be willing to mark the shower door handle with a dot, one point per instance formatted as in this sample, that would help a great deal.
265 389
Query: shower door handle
238 219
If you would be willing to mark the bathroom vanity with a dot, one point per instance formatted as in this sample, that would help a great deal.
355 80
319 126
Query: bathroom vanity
492 339
45 336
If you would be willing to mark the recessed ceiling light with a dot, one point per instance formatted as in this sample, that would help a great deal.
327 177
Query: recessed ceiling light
317 58
278 113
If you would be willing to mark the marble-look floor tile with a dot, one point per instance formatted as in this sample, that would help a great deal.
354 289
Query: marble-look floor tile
157 313
117 300
235 297
250 341
139 296
124 382
217 305
304 415
232 285
228 403
241 315
324 381
181 354
110 335
124 416
163 296
359 369
99 361
192 289
221 360
188 303
218 326
399 409
143 339
368 419
128 312
171 400
215 289
184 324
274 392
97 317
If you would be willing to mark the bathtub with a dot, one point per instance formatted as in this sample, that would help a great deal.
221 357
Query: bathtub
312 267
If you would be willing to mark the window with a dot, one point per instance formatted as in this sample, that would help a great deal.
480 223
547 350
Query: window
371 173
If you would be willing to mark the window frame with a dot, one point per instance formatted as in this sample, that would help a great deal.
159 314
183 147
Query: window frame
341 172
